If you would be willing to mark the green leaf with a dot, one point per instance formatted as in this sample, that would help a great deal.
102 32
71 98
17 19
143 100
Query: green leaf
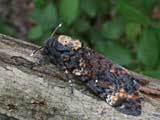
69 10
49 18
153 73
95 37
115 52
81 26
89 7
39 3
145 5
36 15
149 4
46 17
157 32
132 30
148 49
35 33
103 7
7 29
159 66
131 13
112 29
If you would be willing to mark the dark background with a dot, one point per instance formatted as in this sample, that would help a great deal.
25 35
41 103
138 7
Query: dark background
126 31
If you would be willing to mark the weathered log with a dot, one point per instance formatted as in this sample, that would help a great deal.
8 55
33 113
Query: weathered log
42 93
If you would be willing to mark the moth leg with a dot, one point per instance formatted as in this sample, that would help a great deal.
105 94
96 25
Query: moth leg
70 81
43 61
71 86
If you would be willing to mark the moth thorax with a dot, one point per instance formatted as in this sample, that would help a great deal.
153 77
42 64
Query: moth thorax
68 41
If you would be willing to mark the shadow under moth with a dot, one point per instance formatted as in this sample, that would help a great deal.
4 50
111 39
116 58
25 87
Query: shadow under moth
109 81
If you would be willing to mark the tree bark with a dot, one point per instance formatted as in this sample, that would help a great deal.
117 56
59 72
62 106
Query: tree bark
43 93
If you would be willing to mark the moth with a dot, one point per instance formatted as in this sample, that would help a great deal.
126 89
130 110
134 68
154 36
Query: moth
111 82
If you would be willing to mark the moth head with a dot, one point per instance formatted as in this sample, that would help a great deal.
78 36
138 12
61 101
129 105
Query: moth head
59 44
48 43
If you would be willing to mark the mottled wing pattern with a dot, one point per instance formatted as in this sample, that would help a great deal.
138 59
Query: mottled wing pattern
109 81
113 83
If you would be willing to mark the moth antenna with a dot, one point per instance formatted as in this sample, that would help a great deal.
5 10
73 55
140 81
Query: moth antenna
55 30
50 37
36 51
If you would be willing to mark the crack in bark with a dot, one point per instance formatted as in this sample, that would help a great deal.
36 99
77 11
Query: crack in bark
6 117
